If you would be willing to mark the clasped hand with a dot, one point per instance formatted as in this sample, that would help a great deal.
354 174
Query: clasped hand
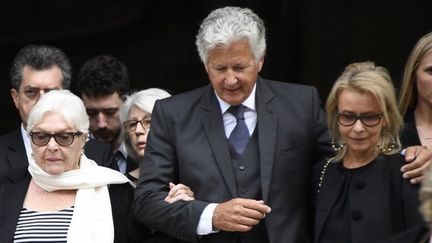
239 214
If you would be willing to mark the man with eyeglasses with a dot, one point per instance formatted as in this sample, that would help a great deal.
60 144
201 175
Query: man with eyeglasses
38 69
102 83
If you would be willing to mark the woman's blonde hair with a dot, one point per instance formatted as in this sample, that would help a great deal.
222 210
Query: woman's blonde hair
408 92
365 77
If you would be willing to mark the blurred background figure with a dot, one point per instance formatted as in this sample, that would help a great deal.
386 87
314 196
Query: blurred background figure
62 195
103 82
415 97
135 115
420 233
35 70
361 196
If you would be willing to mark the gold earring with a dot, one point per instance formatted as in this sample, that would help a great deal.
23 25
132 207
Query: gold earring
390 146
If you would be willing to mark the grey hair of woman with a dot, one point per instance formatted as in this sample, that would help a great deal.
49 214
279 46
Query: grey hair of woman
63 102
226 25
144 100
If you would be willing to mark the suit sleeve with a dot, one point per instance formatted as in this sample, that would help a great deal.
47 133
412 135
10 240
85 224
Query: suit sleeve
323 148
158 168
99 152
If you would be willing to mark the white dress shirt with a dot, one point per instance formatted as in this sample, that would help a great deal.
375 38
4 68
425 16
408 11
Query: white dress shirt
27 142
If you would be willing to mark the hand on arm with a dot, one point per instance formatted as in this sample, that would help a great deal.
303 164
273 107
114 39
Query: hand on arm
179 192
239 214
418 160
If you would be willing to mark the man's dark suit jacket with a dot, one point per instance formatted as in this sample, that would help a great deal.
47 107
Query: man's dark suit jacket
13 154
187 144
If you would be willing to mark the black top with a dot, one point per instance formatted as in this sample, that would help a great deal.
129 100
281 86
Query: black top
368 204
416 234
340 216
409 135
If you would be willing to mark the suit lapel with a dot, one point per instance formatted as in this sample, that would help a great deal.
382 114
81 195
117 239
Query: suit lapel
267 128
332 185
16 153
215 132
12 198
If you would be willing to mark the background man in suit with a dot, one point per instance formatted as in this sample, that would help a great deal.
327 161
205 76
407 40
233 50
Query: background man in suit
36 70
250 170
103 81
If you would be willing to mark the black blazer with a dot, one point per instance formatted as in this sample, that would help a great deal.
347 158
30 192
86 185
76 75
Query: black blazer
384 202
187 144
13 188
14 156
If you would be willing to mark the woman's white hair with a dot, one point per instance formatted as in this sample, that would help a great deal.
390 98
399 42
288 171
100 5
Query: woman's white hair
226 25
144 99
64 103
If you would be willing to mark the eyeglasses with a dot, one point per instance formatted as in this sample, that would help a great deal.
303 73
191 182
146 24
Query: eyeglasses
370 120
33 92
131 125
62 139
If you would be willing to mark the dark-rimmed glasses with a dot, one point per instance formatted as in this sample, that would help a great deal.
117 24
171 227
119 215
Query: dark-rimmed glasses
369 120
33 92
62 139
131 125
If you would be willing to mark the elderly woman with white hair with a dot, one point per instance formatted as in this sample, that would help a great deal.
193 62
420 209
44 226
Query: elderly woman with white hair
135 114
63 196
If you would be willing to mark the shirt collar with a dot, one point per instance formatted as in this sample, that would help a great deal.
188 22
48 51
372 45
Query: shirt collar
249 102
26 140
122 150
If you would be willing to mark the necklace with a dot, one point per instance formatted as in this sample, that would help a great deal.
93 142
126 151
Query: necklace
321 179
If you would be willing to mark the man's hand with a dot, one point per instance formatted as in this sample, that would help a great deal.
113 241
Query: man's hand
179 192
239 214
418 160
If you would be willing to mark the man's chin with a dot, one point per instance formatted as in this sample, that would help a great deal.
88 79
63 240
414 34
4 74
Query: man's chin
104 139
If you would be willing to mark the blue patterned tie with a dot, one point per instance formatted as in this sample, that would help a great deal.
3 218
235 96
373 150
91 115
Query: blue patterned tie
239 137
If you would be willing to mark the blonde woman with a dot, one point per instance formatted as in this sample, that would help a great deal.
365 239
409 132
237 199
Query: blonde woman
415 100
361 196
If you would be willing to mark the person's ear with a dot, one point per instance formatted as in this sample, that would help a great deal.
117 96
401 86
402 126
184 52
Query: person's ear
14 95
260 63
86 138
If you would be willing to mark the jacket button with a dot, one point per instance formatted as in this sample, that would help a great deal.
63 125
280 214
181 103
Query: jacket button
242 167
356 215
243 190
359 184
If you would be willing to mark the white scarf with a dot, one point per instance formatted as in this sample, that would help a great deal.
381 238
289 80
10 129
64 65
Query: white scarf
92 218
